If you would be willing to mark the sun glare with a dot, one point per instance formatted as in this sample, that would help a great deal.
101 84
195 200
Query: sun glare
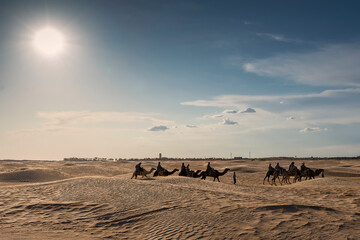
48 42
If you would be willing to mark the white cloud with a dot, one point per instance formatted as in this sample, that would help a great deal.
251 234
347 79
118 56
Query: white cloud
191 126
277 37
229 122
335 65
230 111
158 128
336 106
347 96
76 117
212 116
312 129
248 110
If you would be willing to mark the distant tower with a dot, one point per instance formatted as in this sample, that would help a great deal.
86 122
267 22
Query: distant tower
159 155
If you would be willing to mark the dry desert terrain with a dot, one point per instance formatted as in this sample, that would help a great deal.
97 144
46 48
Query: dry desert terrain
98 200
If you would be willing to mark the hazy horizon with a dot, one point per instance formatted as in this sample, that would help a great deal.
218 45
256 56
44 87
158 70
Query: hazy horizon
131 79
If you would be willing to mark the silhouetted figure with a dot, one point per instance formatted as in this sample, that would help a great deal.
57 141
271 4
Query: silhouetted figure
234 178
209 169
270 168
292 164
188 168
139 168
183 171
302 168
160 168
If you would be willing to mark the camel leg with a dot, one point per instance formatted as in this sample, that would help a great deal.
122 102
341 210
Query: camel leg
132 176
273 181
267 176
218 179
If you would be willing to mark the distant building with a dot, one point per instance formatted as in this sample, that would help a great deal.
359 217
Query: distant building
160 156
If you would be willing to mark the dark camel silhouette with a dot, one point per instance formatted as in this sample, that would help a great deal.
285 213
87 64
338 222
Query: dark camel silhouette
285 177
275 174
318 171
268 174
296 173
194 174
214 173
165 172
143 173
186 172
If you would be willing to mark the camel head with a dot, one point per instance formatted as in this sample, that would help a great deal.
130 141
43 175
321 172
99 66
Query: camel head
226 170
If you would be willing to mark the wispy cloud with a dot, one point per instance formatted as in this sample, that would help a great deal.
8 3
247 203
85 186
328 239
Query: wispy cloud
334 96
312 129
335 65
191 126
231 111
336 106
278 37
214 116
79 120
247 22
76 117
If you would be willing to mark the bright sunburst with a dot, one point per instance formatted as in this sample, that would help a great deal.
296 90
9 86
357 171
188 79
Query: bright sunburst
49 42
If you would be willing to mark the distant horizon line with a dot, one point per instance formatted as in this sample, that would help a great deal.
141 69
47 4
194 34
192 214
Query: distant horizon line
180 158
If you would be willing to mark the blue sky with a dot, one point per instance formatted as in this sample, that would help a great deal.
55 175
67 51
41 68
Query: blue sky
185 78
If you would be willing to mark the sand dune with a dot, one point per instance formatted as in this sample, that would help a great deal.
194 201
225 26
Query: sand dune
98 200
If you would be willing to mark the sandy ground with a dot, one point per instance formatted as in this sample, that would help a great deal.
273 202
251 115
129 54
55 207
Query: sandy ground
98 200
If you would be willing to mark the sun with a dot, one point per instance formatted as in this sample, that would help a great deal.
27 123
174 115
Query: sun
49 42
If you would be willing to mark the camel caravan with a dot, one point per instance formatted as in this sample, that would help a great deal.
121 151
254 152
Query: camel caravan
277 173
185 172
293 171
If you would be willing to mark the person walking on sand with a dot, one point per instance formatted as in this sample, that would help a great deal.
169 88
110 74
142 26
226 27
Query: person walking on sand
234 178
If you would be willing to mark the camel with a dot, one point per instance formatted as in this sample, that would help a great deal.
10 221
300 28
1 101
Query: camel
165 172
318 171
186 172
215 174
294 171
142 173
194 174
276 175
268 174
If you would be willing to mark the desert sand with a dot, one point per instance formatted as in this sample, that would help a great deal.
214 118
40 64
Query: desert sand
98 200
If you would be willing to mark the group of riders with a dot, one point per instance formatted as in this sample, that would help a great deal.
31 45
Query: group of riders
292 171
185 171
291 168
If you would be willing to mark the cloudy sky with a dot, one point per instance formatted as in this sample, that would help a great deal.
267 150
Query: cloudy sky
184 78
